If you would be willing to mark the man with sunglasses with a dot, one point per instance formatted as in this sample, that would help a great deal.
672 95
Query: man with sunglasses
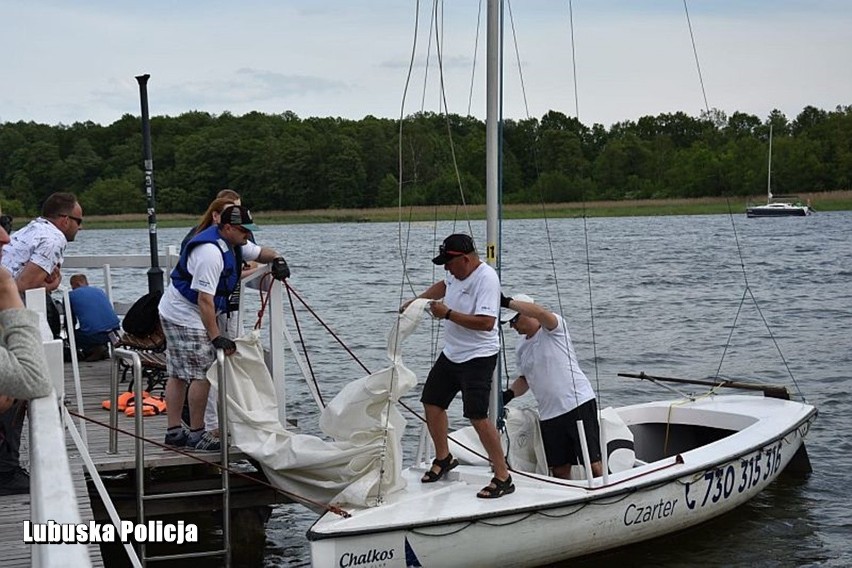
206 275
548 366
470 308
35 253
34 257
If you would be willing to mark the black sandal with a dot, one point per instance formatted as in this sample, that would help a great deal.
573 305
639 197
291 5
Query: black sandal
445 465
496 488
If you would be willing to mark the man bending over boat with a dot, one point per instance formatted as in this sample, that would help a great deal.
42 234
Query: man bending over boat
205 277
548 366
471 294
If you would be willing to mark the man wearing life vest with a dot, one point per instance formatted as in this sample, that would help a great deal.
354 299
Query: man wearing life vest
201 283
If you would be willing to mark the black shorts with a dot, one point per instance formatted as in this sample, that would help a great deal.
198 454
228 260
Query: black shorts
562 439
472 378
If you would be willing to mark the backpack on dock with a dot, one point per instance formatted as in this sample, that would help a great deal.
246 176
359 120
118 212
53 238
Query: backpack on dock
143 318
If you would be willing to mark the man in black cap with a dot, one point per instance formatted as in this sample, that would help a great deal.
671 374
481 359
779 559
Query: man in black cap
205 277
471 308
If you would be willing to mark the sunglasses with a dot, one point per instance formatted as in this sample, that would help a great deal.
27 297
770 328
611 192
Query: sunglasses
78 220
514 320
442 249
454 257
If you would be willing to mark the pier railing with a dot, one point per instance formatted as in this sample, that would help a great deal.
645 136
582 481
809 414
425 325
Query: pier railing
52 495
109 262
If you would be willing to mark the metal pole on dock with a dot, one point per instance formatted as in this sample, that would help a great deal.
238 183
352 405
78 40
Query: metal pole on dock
155 273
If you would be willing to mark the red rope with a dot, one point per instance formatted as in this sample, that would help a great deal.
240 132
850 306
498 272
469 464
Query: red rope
327 328
302 341
304 500
264 299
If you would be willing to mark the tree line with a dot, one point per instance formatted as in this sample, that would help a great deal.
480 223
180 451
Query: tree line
283 162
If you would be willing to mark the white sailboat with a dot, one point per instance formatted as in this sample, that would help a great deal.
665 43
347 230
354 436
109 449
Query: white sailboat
693 459
777 206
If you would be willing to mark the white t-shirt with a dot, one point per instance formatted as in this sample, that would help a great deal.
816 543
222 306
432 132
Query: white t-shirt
548 362
477 294
39 242
205 263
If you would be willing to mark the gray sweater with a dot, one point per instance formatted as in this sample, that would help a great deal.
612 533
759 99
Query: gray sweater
23 370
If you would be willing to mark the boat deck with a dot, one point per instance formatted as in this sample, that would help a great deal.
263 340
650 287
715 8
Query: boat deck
189 470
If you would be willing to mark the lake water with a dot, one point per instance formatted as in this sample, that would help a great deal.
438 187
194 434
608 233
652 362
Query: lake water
665 293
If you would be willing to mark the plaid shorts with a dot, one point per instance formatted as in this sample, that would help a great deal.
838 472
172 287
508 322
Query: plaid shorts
189 352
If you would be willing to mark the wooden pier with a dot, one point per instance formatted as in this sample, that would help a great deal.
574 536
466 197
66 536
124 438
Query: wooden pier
166 471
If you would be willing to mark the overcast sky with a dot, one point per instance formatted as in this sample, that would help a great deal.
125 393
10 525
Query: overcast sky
75 60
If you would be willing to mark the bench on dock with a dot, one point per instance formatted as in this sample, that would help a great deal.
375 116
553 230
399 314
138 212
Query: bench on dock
152 354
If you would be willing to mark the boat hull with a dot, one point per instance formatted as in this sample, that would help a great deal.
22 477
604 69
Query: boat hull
542 522
789 211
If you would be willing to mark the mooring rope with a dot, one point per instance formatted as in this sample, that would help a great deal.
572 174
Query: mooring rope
296 497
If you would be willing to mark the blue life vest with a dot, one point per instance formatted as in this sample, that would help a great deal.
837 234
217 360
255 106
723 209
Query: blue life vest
228 280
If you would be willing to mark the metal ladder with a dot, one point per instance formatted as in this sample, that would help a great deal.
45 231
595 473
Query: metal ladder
141 496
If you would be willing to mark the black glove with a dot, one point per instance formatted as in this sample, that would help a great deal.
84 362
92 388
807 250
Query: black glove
279 269
508 395
222 342
504 301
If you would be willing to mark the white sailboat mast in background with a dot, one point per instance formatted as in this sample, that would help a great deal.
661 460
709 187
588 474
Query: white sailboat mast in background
769 170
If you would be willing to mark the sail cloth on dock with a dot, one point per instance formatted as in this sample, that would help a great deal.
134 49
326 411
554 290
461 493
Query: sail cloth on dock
363 462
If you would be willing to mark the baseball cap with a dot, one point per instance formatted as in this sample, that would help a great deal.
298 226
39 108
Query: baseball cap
455 245
509 314
238 215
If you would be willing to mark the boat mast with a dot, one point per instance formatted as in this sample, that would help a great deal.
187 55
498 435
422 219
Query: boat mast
492 130
769 169
493 57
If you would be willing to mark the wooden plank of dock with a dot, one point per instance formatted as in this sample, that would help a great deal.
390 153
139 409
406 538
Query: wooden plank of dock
95 387
15 509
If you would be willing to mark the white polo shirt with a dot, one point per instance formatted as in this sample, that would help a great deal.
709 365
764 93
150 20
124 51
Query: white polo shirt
548 361
477 294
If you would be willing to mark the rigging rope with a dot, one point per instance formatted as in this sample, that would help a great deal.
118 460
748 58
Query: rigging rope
475 50
448 123
574 60
695 54
544 214
748 291
518 57
225 468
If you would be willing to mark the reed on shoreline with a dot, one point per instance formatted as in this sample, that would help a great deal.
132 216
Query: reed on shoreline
821 201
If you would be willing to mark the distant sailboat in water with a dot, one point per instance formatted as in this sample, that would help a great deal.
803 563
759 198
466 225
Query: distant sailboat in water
782 205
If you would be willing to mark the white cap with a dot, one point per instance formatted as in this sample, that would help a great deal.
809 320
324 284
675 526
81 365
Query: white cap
509 314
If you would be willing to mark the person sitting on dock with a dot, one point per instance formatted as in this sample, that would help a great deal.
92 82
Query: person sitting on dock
470 294
548 366
91 308
201 283
23 374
